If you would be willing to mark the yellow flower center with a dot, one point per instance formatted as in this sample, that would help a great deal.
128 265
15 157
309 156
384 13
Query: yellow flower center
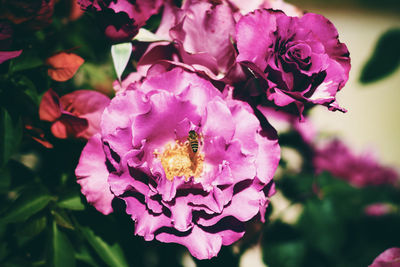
180 160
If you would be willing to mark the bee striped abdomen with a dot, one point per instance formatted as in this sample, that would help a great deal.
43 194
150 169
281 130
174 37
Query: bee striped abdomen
193 141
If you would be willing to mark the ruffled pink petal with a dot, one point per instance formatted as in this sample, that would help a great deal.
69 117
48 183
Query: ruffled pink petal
217 120
152 126
247 201
146 224
92 175
268 156
254 37
121 109
201 244
178 82
247 125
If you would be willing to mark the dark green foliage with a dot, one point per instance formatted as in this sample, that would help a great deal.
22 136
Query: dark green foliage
385 58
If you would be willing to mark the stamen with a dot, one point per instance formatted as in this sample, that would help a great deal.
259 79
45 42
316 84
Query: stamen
179 160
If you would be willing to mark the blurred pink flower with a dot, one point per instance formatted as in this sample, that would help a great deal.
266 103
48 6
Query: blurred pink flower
358 170
378 209
199 199
298 60
76 114
388 258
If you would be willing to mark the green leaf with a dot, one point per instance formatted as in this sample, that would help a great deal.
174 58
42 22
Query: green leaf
282 245
28 204
62 251
28 88
327 233
4 250
112 255
120 54
145 35
385 58
27 60
62 219
26 231
10 136
83 254
71 201
5 180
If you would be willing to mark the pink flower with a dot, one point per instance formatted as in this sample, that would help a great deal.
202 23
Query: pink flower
199 198
359 171
202 41
121 19
76 114
298 60
388 258
378 209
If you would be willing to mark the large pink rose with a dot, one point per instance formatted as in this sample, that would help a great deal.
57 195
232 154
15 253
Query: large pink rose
199 198
298 60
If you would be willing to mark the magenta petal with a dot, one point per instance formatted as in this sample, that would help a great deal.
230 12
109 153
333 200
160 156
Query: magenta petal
6 55
115 115
268 157
152 126
207 29
201 244
246 125
178 81
146 223
247 201
388 258
218 120
92 175
181 215
167 189
253 35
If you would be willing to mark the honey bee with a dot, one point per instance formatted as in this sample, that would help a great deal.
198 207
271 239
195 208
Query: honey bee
193 139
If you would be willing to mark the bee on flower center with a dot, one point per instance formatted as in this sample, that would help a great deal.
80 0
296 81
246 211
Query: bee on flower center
193 139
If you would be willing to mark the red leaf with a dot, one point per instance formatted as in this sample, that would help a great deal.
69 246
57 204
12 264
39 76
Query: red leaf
63 66
50 109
